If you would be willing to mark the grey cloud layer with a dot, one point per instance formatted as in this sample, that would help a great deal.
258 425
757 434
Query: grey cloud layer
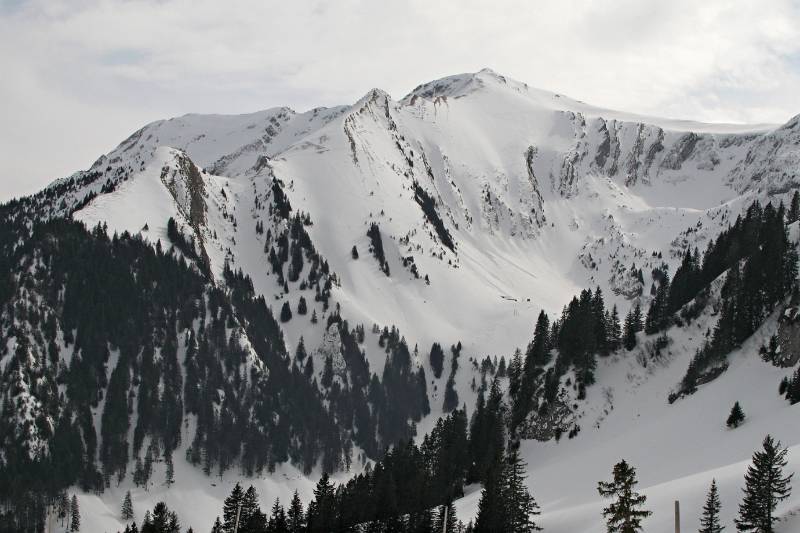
82 74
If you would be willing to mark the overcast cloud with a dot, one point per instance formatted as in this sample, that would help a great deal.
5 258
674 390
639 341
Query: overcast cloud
78 76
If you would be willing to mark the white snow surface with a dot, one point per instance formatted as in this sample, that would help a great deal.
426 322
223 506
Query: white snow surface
537 213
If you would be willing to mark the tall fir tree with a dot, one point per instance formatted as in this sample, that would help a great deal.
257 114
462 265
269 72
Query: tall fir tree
169 476
614 330
491 507
127 507
436 358
515 375
286 312
625 513
251 518
446 519
794 208
163 520
793 388
521 508
765 487
63 507
736 416
709 521
295 517
300 353
322 515
75 515
658 313
633 325
231 508
537 356
277 519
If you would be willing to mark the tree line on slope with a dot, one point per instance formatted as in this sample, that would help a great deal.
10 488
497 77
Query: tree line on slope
396 496
411 489
94 323
761 265
585 329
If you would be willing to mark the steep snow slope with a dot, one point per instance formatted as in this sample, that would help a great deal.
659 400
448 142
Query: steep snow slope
541 195
534 188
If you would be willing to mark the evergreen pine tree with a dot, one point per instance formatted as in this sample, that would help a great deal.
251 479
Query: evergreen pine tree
354 252
709 522
75 515
736 416
138 473
783 387
231 508
322 518
127 507
502 369
450 395
277 519
162 520
536 356
300 354
63 506
286 312
625 514
515 375
491 507
327 372
447 511
148 465
614 330
251 518
302 306
636 319
437 359
658 313
794 209
520 505
295 517
793 388
765 487
633 324
169 477
217 527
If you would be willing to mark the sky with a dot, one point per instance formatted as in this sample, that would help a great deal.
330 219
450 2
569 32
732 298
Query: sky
78 76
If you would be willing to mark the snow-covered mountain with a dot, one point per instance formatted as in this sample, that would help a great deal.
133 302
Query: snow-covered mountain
493 201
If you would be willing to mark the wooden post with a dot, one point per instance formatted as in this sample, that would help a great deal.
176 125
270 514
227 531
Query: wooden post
677 516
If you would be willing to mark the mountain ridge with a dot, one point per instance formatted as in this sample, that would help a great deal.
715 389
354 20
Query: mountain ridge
490 203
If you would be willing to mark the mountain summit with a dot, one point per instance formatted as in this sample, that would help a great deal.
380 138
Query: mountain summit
298 292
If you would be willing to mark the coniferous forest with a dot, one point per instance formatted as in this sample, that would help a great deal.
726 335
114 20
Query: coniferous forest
387 498
120 353
118 319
